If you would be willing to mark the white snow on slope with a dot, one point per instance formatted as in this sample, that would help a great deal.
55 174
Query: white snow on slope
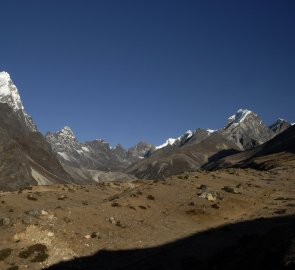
172 141
9 93
210 131
240 116
64 155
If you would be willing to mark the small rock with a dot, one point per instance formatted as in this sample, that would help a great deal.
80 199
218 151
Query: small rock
34 212
95 235
203 187
230 190
62 197
28 220
67 220
50 234
209 196
44 213
280 211
88 236
112 220
215 206
150 197
5 221
32 197
51 217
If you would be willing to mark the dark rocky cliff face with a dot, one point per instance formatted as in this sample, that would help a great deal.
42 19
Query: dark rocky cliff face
26 157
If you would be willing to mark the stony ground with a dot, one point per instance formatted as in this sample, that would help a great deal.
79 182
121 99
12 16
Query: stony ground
44 225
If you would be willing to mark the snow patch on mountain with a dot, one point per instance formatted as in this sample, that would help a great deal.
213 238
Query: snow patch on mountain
239 117
9 94
210 131
172 141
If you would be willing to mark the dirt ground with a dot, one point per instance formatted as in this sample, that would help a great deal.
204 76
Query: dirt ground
44 225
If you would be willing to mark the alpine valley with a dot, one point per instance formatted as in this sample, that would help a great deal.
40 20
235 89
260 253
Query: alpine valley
208 199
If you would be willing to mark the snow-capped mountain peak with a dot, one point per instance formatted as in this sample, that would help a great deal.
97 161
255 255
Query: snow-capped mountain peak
246 129
10 96
210 131
9 93
187 135
67 132
240 116
172 141
279 126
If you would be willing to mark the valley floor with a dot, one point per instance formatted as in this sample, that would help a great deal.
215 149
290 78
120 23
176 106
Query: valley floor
180 223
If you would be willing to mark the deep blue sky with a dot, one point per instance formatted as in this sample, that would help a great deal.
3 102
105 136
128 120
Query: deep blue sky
130 70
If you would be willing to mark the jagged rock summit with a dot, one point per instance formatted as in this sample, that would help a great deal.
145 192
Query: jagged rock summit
9 95
246 129
29 158
279 126
94 155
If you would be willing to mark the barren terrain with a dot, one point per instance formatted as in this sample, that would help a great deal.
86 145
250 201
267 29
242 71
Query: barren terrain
45 225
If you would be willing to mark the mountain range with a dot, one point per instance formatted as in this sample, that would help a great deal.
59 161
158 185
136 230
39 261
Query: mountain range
30 158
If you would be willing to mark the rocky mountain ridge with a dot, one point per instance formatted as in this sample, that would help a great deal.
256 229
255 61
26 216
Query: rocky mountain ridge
9 95
96 154
26 157
30 158
244 130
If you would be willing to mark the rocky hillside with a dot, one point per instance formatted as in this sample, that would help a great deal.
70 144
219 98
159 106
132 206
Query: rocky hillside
193 150
94 155
271 154
189 157
26 157
246 130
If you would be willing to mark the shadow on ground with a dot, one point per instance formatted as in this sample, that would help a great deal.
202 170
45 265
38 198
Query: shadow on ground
258 244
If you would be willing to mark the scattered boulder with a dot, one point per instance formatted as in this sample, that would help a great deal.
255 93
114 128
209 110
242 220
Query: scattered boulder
211 196
88 236
5 221
230 190
67 220
280 211
115 204
34 212
32 197
44 213
112 220
61 197
215 206
203 187
150 197
95 235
